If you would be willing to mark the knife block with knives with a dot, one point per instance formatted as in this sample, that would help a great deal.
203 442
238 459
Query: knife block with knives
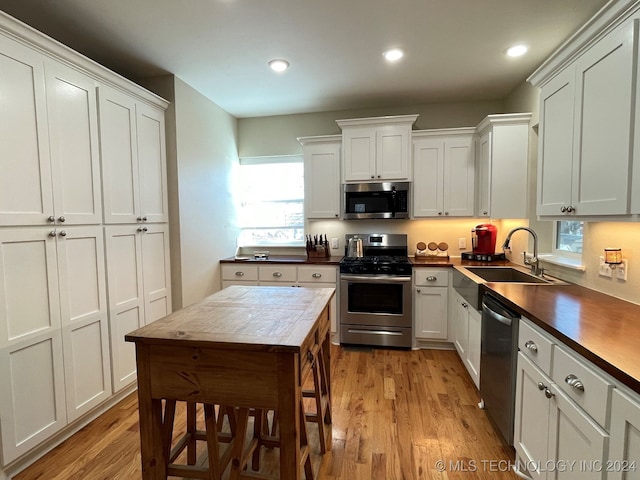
317 247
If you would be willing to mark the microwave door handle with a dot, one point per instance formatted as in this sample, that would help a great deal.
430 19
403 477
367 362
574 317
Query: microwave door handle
394 202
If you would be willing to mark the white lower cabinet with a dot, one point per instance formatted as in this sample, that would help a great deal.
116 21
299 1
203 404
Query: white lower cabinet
556 433
624 446
53 332
138 279
431 303
467 331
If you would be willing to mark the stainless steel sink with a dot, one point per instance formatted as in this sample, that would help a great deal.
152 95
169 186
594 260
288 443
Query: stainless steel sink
467 280
506 274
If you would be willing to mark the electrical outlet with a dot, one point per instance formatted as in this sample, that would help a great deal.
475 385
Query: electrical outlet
621 271
334 243
462 243
604 270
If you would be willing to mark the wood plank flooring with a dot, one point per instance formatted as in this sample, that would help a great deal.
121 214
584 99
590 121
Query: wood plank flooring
396 415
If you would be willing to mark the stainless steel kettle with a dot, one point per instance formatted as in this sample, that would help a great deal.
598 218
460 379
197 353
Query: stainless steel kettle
354 248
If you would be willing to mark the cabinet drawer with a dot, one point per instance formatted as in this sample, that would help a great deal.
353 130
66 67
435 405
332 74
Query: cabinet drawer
277 273
246 273
316 274
580 381
535 345
431 277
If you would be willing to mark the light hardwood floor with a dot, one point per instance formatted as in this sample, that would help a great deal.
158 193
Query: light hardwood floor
396 415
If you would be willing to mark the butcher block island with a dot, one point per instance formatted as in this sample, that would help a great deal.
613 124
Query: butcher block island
247 348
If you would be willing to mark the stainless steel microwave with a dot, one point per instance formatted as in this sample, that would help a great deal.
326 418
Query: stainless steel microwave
376 200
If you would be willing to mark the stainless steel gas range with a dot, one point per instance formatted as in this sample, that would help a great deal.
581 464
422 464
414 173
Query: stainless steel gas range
375 292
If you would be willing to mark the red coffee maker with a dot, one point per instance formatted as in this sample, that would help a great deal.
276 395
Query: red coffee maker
483 239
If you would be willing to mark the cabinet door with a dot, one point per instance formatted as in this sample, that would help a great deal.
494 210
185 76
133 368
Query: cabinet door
624 449
459 177
126 299
359 149
603 127
83 304
156 276
31 363
119 155
573 435
431 313
152 163
556 143
474 347
531 431
428 175
483 184
461 327
322 181
393 152
73 130
25 184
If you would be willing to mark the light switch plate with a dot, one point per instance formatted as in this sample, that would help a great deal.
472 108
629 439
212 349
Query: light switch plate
621 271
462 243
334 243
604 270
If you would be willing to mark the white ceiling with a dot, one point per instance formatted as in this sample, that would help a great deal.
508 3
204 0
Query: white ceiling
454 48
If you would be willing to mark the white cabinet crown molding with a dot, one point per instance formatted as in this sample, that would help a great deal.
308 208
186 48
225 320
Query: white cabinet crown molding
319 139
606 19
437 132
388 120
506 118
29 36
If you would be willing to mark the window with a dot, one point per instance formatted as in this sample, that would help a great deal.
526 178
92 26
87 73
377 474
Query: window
568 238
271 194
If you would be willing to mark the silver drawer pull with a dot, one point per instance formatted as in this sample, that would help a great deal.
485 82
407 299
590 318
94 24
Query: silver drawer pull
239 274
574 382
431 278
316 275
277 274
531 346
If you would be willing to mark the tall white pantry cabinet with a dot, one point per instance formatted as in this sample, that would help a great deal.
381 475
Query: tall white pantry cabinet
84 253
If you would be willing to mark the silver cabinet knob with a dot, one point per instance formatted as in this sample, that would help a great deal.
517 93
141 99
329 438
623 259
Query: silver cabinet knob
563 209
139 219
418 290
541 386
446 213
574 382
316 275
51 219
485 213
431 278
239 274
372 176
144 219
548 393
62 233
277 274
61 219
52 233
465 305
532 347
570 209
142 229
439 213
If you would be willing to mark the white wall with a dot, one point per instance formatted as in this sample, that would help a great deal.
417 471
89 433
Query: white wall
202 157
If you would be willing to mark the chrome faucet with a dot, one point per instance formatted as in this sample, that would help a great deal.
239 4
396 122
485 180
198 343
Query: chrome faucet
532 261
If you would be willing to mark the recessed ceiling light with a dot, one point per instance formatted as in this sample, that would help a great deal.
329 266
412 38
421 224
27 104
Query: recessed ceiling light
517 50
278 65
393 55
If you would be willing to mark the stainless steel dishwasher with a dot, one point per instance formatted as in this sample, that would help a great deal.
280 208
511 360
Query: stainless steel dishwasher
498 359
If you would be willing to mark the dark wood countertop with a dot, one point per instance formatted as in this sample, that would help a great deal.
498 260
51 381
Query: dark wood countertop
293 259
602 328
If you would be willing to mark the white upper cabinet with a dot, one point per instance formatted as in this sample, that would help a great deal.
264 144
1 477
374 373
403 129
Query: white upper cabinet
502 158
586 129
444 173
50 141
133 159
377 149
321 176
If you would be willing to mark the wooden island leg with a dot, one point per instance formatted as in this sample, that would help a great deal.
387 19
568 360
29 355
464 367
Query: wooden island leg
154 462
289 399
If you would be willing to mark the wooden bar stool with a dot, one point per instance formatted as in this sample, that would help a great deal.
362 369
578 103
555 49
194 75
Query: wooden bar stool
320 393
217 464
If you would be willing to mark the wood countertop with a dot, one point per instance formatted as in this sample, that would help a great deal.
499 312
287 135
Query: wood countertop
293 259
242 317
602 328
453 262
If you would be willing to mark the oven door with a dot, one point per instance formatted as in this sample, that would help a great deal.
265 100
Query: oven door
376 310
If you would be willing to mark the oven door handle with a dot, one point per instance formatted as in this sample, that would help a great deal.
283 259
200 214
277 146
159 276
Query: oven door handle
376 278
